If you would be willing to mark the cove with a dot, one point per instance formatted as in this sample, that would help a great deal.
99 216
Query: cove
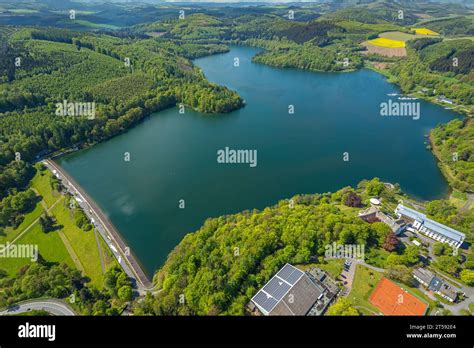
173 156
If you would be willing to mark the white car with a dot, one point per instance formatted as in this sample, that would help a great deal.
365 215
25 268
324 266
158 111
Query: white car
114 249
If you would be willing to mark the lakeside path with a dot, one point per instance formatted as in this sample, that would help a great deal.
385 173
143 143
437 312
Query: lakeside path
110 234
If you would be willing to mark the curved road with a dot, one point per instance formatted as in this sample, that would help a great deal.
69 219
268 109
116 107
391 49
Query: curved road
55 307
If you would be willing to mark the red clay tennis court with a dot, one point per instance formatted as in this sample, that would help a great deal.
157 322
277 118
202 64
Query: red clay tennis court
393 300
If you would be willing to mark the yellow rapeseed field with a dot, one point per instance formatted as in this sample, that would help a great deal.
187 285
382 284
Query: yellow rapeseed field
381 41
425 31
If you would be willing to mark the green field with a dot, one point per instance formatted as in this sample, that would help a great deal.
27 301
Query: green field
11 233
364 283
398 35
22 11
95 25
460 38
83 243
41 184
50 247
376 257
333 267
67 244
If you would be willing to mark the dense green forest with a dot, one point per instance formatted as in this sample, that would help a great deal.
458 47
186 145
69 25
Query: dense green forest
454 144
217 269
135 66
56 65
61 281
430 66
332 42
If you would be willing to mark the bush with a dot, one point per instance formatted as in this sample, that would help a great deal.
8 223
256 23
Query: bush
374 187
467 276
352 199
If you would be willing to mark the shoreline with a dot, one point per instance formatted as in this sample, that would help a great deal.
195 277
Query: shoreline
136 270
108 231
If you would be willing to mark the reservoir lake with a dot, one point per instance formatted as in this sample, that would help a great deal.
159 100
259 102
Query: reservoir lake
173 156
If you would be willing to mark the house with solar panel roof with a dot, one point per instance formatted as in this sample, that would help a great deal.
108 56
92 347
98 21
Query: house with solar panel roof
292 292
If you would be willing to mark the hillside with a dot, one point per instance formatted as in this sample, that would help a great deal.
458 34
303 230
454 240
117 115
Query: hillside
454 147
218 268
58 66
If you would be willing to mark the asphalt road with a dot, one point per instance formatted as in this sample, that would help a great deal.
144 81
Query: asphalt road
55 307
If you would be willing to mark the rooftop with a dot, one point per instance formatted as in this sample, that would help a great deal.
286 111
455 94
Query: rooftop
447 290
289 292
424 275
431 224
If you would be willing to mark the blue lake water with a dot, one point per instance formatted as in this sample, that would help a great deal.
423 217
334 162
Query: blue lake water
174 156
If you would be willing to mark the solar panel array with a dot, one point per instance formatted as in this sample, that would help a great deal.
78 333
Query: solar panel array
290 274
272 293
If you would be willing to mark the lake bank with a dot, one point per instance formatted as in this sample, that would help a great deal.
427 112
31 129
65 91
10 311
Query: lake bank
173 156
103 226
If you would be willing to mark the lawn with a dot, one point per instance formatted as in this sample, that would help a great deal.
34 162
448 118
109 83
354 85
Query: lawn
41 183
12 233
332 267
364 283
376 257
109 259
69 244
50 247
83 243
349 210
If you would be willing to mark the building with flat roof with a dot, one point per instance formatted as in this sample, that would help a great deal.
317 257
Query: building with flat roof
431 228
430 281
423 276
289 292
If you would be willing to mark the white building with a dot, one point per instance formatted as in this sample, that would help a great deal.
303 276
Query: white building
430 228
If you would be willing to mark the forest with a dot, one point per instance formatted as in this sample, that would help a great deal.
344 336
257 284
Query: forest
218 268
61 281
454 145
42 67
133 69
332 42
